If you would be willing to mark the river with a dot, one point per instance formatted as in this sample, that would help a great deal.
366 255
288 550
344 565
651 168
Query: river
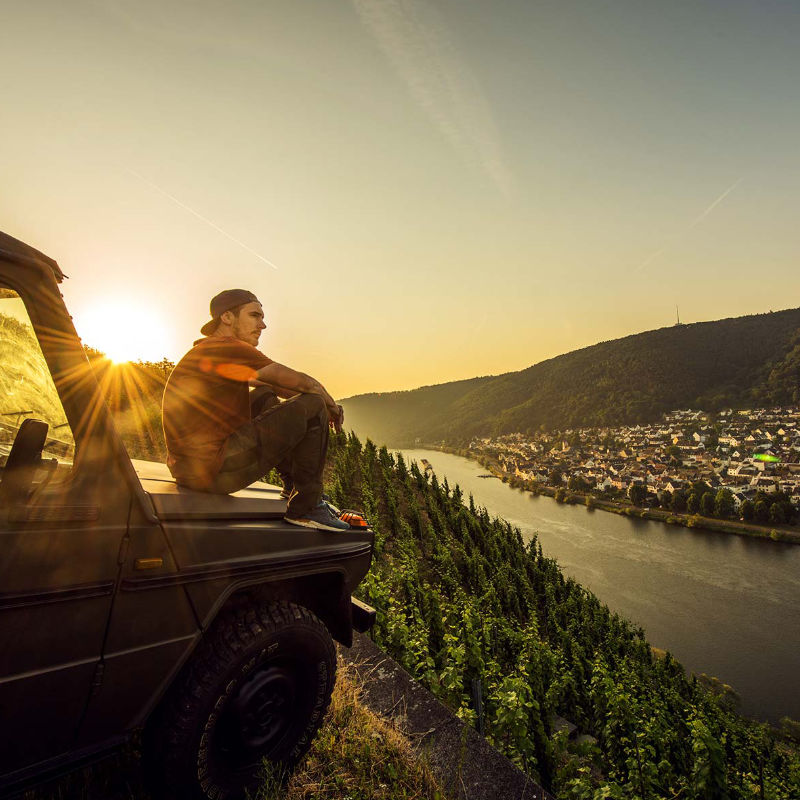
725 605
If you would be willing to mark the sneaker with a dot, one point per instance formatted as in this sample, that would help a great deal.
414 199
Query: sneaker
331 507
320 518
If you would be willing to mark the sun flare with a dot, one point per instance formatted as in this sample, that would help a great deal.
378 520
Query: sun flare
124 331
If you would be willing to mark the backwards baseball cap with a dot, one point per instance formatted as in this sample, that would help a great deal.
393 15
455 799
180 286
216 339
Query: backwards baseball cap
223 302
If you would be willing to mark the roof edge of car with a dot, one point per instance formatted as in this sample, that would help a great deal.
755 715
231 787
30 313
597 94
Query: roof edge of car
14 250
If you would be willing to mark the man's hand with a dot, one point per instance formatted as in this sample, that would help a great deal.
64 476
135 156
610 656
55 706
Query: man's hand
336 418
286 382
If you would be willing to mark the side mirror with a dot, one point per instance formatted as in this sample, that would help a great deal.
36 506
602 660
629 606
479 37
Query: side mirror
23 460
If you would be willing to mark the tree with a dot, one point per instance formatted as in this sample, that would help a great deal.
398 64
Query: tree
700 488
723 504
761 511
665 498
777 514
780 497
707 504
679 501
577 484
637 493
693 503
708 772
746 510
674 453
555 478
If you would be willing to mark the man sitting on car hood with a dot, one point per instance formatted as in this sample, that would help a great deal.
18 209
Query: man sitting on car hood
214 444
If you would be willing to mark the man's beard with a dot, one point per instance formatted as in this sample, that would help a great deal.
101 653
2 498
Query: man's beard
250 338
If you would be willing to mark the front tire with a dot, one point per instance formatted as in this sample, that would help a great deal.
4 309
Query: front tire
257 689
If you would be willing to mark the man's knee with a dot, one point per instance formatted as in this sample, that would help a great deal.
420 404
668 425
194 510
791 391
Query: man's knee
262 398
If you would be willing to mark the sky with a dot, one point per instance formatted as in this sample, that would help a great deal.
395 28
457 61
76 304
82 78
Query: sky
418 191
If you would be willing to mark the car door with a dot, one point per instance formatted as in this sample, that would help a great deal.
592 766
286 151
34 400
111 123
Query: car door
59 553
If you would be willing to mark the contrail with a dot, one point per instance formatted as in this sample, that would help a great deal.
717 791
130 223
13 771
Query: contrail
418 44
201 217
715 203
652 257
656 253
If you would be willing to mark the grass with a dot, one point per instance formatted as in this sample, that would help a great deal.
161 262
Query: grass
355 756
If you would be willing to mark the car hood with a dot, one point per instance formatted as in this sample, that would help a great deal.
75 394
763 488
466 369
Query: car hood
173 502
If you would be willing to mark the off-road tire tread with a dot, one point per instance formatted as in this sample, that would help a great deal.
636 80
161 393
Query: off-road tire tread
229 637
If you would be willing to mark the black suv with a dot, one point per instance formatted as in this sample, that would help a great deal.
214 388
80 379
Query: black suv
127 602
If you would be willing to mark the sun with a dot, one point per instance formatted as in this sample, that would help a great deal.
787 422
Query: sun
124 331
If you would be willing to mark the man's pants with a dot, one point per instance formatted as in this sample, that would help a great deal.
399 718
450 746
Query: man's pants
261 399
292 436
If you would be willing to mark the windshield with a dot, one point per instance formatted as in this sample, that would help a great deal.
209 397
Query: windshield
27 390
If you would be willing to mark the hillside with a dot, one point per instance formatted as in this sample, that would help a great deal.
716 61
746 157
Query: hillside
463 602
734 362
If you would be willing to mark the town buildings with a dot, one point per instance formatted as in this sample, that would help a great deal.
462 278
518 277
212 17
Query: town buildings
744 451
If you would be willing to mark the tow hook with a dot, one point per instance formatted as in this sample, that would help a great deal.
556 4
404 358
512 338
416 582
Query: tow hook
363 615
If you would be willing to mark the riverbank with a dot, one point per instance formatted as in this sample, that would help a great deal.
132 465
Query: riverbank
592 502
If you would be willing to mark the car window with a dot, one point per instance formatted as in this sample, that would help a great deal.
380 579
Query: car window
27 390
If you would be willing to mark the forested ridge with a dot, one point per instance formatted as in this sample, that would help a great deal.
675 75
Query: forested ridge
738 362
461 598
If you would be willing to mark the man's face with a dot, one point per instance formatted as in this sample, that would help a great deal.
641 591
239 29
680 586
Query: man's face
249 323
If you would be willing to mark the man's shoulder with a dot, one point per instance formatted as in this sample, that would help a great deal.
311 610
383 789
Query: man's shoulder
222 349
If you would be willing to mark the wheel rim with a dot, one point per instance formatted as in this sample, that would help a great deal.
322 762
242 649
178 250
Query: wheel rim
257 716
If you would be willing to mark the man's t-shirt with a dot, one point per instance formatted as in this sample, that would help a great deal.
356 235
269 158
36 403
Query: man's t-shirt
207 398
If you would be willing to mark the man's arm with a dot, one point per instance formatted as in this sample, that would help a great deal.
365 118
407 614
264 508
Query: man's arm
281 377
